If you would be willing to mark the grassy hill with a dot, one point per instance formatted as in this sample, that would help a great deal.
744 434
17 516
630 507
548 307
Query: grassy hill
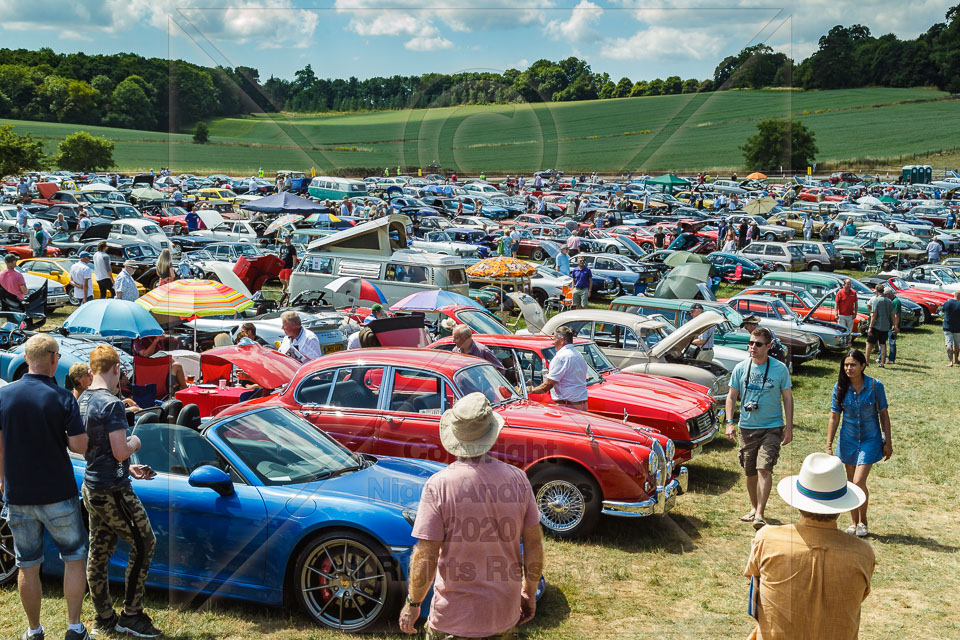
682 132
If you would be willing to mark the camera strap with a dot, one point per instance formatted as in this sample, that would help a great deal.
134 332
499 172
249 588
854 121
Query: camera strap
762 382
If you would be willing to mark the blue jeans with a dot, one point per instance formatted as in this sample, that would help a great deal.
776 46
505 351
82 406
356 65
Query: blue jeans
61 519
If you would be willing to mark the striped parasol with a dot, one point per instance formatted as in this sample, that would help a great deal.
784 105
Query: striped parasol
194 298
501 267
286 220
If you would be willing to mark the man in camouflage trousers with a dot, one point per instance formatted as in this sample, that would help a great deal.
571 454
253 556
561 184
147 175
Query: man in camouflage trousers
115 510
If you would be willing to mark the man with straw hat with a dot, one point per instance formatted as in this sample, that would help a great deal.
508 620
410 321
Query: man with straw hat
811 577
485 583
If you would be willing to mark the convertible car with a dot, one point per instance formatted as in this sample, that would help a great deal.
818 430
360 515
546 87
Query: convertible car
680 410
262 506
389 402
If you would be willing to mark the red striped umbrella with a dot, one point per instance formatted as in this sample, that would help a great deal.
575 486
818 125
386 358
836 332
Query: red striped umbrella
194 298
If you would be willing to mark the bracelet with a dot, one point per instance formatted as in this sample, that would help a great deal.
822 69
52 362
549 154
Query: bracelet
411 603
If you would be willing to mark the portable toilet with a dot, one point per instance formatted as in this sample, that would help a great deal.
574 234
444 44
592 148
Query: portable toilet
906 174
927 174
916 174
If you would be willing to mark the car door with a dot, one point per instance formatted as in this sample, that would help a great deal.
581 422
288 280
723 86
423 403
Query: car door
345 403
620 343
411 421
201 535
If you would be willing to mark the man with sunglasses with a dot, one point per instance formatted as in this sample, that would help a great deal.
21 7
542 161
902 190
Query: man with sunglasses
763 386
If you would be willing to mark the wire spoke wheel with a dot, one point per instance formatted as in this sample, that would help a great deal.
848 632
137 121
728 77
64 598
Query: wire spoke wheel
561 504
8 565
343 584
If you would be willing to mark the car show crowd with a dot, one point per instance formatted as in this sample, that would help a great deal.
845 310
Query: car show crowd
403 381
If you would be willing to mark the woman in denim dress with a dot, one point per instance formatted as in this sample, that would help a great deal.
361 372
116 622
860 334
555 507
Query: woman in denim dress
862 402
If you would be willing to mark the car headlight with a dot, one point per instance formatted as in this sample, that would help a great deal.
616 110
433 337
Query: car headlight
410 515
670 451
656 463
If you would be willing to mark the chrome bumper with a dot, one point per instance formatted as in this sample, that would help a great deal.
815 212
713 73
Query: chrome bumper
58 300
664 501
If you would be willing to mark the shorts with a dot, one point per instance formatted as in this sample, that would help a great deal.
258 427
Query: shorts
845 321
432 634
285 274
759 449
62 520
580 297
877 336
952 338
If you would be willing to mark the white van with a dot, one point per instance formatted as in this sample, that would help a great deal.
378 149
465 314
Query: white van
375 251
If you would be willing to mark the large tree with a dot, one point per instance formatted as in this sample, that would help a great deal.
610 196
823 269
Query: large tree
19 153
780 143
81 151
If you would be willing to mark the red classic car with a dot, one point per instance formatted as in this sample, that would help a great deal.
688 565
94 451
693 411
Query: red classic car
930 300
801 302
389 402
811 194
529 220
17 244
642 237
680 410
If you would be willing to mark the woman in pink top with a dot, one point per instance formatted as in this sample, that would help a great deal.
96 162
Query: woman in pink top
11 279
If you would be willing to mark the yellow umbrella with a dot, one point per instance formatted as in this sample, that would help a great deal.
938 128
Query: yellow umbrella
756 175
759 206
501 267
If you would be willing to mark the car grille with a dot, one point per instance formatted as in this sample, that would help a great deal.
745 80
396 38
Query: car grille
701 424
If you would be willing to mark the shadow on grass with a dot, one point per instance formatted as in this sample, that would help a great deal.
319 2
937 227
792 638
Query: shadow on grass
552 609
914 541
712 481
672 533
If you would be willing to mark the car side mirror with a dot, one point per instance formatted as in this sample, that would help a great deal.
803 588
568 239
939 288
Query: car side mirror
213 478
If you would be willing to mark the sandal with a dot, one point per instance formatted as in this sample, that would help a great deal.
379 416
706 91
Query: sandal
851 530
749 517
758 523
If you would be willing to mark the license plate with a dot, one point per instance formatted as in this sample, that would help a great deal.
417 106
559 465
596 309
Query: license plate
332 348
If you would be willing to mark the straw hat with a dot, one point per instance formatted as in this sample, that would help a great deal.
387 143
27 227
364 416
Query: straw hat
471 427
821 487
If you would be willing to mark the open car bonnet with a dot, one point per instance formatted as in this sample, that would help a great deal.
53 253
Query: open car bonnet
531 309
268 368
209 217
685 334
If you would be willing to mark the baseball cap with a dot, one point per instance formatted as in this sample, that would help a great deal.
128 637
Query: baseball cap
376 308
696 306
37 225
84 254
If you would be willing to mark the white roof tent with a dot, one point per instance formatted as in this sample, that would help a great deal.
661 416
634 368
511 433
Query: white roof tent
369 238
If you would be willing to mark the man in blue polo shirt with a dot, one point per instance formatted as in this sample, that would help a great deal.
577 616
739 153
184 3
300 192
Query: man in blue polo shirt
39 421
582 281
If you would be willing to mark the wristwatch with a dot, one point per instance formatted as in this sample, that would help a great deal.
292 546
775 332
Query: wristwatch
411 603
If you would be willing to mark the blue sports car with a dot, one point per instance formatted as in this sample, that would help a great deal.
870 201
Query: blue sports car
74 348
261 506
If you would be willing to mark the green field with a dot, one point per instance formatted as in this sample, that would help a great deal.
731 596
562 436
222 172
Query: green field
681 132
680 576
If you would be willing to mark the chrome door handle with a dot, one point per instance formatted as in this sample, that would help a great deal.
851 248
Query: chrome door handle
392 420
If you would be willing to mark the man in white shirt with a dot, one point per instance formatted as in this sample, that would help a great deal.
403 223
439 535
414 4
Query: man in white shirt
81 278
125 287
22 219
299 343
102 271
706 339
567 378
83 220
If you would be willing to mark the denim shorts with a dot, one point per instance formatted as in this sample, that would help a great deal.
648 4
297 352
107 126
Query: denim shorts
62 520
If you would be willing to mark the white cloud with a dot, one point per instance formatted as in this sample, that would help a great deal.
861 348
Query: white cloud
423 43
578 27
663 43
73 17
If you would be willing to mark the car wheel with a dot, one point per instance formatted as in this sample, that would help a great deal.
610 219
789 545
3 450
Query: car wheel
779 267
568 500
612 249
74 300
71 253
647 246
815 266
8 564
345 581
770 237
212 276
538 255
540 296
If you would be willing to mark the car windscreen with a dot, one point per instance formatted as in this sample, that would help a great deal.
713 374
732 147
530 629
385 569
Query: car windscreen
282 448
482 322
488 381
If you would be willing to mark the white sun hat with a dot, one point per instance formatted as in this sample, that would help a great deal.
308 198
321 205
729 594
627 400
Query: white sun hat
821 487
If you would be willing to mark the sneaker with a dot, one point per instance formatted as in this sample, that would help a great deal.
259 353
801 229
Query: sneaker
851 530
105 625
862 530
75 635
37 636
139 624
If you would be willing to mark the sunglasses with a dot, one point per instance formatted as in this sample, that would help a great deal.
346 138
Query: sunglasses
758 344
56 353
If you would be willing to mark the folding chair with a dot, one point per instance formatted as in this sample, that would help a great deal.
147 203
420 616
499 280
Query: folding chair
737 274
154 370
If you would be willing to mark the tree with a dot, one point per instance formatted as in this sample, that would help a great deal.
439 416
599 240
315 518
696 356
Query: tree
201 135
780 143
132 108
83 152
691 85
19 153
623 88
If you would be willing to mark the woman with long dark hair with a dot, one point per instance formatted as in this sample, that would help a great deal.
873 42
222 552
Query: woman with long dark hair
865 432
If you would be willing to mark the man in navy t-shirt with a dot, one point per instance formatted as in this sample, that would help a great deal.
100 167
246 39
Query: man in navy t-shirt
39 421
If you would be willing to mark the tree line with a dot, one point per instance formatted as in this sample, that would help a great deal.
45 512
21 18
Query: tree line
132 92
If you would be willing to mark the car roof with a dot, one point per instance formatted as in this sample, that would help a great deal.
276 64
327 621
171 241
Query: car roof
531 341
392 356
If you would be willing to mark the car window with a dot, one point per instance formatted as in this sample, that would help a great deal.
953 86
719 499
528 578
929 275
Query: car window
406 273
416 391
487 380
616 336
170 448
129 231
753 249
316 388
774 250
531 366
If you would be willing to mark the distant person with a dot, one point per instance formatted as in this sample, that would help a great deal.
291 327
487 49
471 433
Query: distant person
288 256
659 237
934 250
39 423
896 309
562 263
165 271
12 280
582 284
299 343
81 278
881 322
807 227
812 578
566 379
193 221
846 302
951 329
705 341
742 233
102 271
79 378
463 339
730 244
247 334
125 287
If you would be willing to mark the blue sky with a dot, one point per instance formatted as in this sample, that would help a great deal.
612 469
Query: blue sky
640 39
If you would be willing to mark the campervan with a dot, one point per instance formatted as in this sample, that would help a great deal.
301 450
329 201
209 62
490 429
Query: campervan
331 188
376 251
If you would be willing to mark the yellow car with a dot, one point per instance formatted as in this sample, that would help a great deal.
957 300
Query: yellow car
218 195
687 198
58 270
794 220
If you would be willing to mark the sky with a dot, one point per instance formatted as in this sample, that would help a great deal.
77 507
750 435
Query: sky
639 39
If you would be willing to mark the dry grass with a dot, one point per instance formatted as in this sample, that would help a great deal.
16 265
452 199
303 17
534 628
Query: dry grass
680 576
